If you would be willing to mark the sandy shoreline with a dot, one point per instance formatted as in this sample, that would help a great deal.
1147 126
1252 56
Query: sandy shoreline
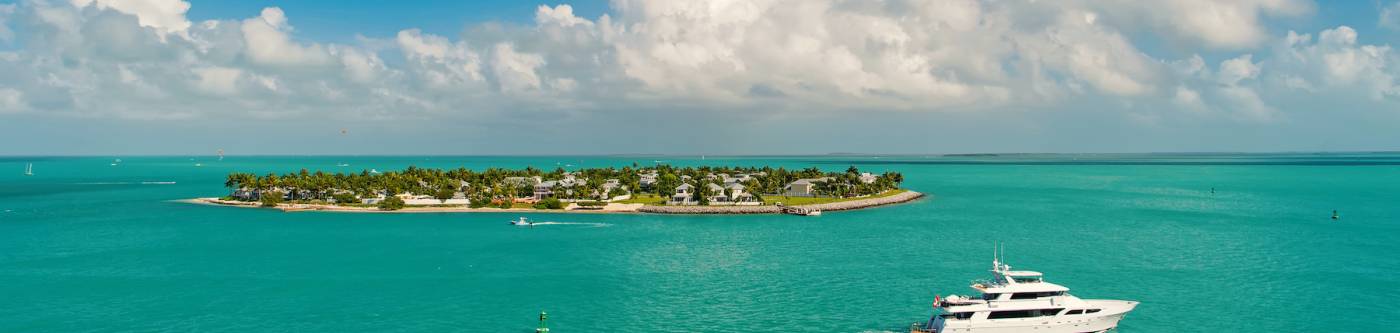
611 208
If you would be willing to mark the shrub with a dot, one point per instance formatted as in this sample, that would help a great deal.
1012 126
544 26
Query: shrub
391 203
342 198
478 202
550 203
444 193
591 203
271 198
506 204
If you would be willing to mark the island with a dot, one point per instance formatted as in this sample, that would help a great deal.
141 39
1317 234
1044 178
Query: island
661 189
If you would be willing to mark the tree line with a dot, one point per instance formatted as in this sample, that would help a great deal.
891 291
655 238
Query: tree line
495 184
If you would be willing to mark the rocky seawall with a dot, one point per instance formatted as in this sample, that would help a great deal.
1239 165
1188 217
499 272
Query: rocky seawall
844 205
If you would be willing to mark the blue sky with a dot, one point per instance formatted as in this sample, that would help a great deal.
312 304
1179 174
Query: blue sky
122 77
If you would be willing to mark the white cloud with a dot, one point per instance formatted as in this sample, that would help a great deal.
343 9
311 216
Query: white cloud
1189 99
440 62
1221 24
6 10
515 71
218 80
1390 16
268 42
562 15
1234 70
166 16
776 57
12 101
1337 61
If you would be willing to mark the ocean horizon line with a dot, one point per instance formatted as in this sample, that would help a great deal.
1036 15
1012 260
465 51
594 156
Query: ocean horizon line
689 155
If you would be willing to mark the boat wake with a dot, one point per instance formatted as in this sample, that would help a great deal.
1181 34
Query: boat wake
586 224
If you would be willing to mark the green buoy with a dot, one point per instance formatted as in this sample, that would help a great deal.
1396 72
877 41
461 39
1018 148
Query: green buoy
544 327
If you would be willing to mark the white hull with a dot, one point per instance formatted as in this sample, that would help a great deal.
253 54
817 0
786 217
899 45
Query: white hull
1045 325
1098 322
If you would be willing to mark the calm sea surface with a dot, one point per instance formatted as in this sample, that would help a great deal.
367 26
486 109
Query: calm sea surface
88 247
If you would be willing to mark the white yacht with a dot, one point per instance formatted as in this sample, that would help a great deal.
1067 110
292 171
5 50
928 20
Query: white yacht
1021 301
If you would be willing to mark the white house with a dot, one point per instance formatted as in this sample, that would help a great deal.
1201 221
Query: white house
545 189
682 196
866 177
805 187
717 196
739 196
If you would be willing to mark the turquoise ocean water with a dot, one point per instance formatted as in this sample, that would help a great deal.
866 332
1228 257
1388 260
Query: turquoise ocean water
88 247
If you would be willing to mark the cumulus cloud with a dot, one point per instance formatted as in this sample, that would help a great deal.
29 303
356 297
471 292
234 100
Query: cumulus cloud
145 59
166 16
12 101
1337 61
1390 16
1232 24
268 41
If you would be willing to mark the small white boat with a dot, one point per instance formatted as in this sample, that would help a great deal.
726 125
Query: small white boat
29 169
813 213
522 222
373 171
343 165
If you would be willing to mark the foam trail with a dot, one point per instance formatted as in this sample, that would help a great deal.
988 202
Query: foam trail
590 224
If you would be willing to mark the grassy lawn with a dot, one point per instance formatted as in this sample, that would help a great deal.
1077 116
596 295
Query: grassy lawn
645 198
796 201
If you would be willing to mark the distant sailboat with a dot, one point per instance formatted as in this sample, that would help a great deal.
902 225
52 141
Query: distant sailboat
221 154
29 169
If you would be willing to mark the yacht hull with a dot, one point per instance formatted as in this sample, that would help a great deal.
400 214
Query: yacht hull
1099 322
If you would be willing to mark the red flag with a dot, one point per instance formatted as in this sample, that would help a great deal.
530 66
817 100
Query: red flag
935 301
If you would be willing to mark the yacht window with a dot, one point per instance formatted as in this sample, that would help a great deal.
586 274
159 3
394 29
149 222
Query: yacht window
990 297
1022 314
1091 310
1074 312
1036 295
1026 279
956 316
1013 314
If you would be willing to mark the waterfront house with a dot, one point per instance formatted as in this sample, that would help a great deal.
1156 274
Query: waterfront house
545 189
245 194
717 196
739 196
736 179
522 181
682 196
610 185
805 187
866 177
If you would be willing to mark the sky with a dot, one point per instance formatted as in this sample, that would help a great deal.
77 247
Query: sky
717 77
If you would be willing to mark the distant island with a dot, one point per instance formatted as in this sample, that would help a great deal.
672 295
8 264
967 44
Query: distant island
658 189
